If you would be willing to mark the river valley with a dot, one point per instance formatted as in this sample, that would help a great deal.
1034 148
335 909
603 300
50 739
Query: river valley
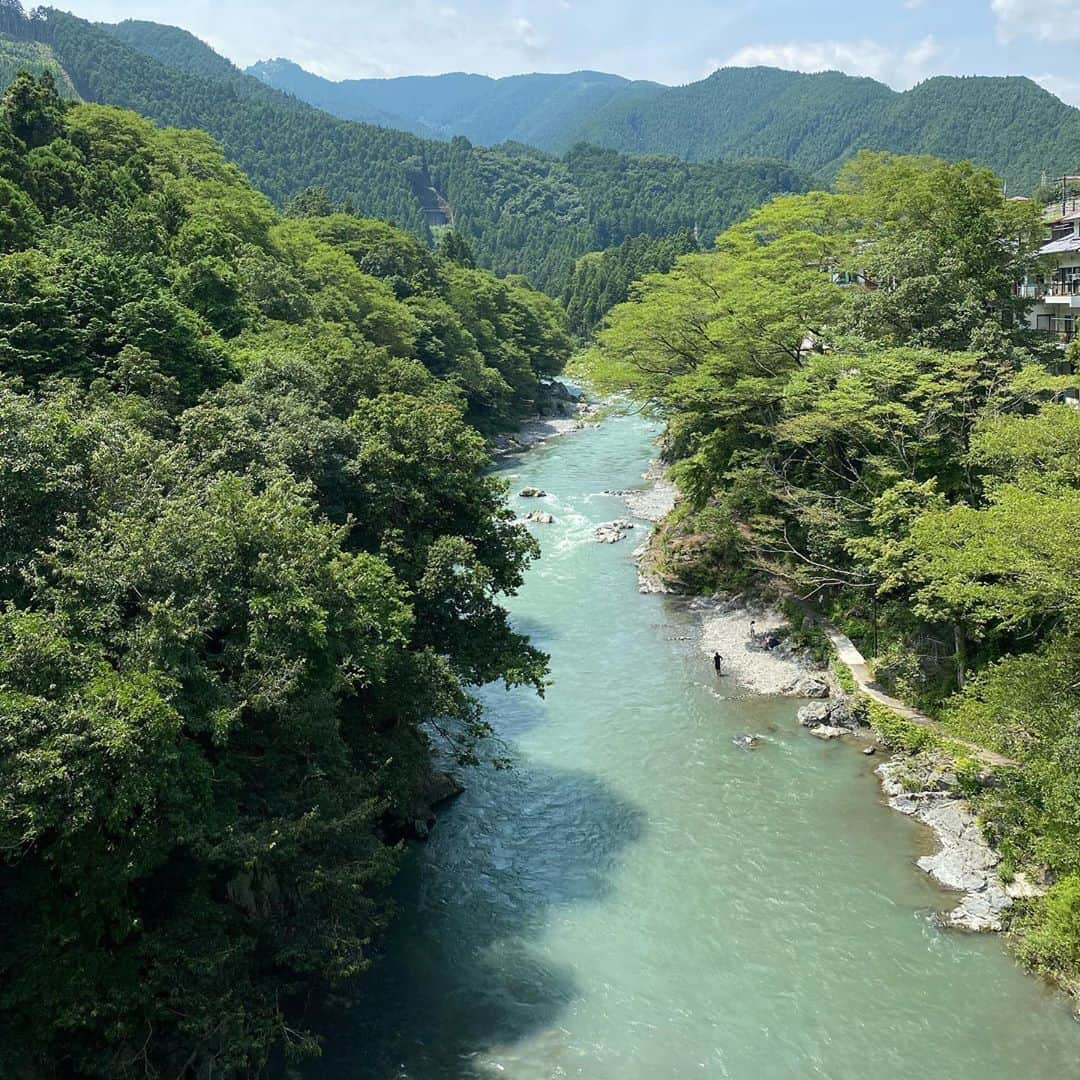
639 898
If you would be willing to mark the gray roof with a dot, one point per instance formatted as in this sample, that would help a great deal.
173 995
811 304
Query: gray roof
1060 247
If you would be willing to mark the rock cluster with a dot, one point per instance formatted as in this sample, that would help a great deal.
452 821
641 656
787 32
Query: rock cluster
532 493
830 719
927 789
537 517
613 531
808 686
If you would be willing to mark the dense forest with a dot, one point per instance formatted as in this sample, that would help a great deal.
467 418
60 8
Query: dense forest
523 211
603 279
898 452
814 122
250 554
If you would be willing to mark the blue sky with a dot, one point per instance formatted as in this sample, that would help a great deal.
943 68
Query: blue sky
671 41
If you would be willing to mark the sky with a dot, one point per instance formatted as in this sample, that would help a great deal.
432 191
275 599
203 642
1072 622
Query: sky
900 42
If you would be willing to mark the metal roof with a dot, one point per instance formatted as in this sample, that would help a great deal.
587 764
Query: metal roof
1059 247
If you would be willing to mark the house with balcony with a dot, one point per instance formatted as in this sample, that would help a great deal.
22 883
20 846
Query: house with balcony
1055 288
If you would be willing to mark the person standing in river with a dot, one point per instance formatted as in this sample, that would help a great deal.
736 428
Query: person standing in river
718 663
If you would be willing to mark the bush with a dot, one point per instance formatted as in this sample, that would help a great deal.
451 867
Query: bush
1048 934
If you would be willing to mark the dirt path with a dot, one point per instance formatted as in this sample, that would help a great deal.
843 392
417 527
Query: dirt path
860 671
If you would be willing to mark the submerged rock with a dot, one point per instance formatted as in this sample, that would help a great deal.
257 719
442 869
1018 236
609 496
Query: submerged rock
827 731
746 742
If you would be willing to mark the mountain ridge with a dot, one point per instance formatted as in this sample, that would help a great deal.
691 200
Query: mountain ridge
522 211
538 108
813 121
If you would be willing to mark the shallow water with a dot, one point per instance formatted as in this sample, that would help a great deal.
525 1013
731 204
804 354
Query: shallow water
639 898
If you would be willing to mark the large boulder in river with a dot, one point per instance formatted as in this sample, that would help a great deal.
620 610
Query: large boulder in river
828 731
836 713
613 531
532 493
439 788
808 686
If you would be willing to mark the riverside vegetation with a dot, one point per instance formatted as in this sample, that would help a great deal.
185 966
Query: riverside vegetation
253 562
249 550
858 419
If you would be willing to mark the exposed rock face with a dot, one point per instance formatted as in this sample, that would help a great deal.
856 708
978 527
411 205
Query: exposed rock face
808 686
928 790
836 713
654 501
613 531
439 788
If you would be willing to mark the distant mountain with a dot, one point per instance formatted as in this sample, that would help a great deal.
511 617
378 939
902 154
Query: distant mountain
544 111
522 211
814 122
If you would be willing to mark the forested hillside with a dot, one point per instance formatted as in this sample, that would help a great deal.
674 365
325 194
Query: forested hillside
814 122
544 111
522 211
902 457
250 548
529 213
603 279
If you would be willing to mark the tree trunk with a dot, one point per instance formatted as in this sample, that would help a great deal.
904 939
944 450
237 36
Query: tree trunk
961 654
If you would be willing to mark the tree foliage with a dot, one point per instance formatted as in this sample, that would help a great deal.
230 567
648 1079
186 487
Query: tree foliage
858 419
520 210
252 565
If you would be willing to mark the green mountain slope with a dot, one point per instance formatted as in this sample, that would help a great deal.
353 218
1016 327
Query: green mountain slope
542 110
292 79
522 211
16 56
815 121
174 47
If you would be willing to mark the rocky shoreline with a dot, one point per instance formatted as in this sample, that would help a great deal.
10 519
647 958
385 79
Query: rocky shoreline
926 788
923 786
561 409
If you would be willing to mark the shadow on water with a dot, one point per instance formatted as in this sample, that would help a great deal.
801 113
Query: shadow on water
465 968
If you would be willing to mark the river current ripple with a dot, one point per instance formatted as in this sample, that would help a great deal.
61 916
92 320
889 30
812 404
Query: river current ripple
638 898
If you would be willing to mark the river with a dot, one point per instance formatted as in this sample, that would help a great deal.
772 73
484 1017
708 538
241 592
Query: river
638 898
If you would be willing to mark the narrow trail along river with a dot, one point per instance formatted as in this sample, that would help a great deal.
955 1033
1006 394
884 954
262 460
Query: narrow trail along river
638 898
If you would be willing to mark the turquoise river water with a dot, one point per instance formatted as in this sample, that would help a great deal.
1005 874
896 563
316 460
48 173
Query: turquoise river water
640 899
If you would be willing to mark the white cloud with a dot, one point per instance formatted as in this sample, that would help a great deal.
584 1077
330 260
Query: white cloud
1065 87
900 68
525 35
1051 21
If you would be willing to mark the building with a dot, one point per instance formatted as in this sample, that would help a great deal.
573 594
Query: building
1055 288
